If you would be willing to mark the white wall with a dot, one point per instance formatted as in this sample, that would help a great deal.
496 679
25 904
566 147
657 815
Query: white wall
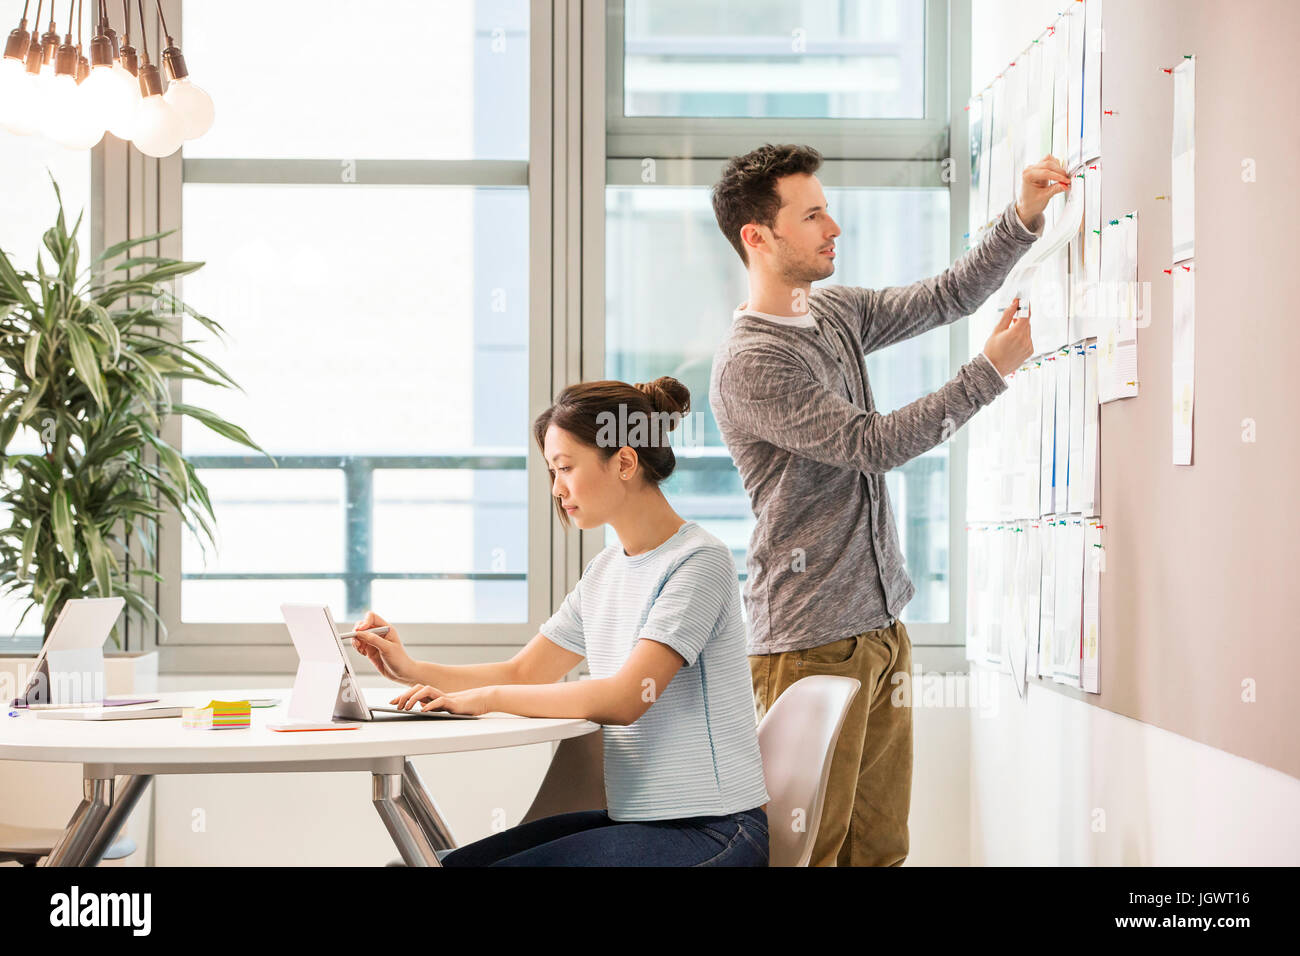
1058 782
1055 781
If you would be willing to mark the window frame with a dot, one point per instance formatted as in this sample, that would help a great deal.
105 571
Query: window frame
923 138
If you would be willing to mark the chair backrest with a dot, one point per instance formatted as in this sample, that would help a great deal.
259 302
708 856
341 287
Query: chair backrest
575 780
797 738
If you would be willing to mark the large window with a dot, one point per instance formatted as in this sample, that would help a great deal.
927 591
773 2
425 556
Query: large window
834 59
366 240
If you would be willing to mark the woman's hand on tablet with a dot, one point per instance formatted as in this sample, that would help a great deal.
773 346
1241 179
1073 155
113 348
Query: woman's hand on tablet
387 654
474 701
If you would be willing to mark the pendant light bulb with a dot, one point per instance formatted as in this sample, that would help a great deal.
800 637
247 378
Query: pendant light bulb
66 115
190 101
108 92
25 108
157 126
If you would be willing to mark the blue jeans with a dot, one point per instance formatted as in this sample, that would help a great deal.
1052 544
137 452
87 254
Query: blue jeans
591 838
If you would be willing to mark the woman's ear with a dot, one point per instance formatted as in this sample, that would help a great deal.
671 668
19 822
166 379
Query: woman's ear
627 463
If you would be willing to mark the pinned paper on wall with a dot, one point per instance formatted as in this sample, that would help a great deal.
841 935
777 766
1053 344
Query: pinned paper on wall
1049 309
1117 361
1061 434
1093 46
1074 108
1047 597
1033 595
1001 159
1061 88
1090 498
1094 563
1085 256
1184 361
1066 651
1047 456
1183 187
1076 493
979 205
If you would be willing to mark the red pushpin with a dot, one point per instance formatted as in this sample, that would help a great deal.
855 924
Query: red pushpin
1163 70
1108 112
1187 268
1169 272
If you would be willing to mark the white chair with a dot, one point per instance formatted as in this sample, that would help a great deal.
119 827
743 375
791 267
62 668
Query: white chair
26 845
797 738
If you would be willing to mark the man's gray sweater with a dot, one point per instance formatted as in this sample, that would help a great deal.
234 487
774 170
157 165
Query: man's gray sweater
796 412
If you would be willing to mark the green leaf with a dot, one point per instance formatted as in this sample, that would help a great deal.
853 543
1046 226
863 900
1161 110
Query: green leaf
13 285
61 518
100 559
29 549
218 424
29 353
107 329
33 399
175 466
121 247
86 363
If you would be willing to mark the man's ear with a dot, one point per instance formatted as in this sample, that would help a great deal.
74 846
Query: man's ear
752 236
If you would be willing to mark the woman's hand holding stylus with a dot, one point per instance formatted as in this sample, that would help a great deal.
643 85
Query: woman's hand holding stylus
387 653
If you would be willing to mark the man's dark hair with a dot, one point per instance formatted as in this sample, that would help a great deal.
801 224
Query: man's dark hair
747 190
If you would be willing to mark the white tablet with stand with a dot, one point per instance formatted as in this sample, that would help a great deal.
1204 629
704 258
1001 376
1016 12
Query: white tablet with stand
69 670
325 689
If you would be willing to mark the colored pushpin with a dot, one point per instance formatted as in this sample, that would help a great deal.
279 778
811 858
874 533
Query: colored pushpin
1108 112
1093 166
1168 272
1097 231
1187 56
1162 197
1114 222
1130 383
1128 215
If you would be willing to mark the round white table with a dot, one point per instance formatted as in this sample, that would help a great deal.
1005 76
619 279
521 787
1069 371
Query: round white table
140 749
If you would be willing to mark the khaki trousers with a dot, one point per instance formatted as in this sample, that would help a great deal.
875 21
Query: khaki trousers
864 819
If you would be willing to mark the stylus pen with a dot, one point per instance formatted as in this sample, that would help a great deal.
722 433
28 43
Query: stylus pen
377 631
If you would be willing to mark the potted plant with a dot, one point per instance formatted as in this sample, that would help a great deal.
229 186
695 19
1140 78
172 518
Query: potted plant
87 359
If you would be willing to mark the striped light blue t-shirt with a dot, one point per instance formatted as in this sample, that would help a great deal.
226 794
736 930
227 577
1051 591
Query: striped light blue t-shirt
694 752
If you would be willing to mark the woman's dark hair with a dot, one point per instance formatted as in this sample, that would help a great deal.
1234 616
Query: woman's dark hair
609 415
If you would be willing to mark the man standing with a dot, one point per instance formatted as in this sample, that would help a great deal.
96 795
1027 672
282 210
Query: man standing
789 390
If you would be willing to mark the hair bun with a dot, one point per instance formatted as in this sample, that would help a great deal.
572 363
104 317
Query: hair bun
667 394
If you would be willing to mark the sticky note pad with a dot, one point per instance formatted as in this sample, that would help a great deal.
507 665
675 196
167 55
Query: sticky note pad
196 718
229 714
